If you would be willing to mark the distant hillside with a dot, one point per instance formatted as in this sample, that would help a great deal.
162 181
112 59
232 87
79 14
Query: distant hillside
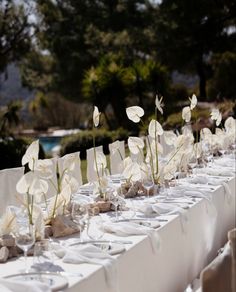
11 88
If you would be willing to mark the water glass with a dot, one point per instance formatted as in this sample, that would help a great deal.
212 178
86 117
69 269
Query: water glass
79 215
95 230
25 239
148 184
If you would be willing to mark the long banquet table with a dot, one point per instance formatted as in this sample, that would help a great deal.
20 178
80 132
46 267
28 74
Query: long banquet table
186 246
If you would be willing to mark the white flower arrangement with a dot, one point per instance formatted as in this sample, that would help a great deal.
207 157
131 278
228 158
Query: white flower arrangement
31 184
216 116
136 144
100 162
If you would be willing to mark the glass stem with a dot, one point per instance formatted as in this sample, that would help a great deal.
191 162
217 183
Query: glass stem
116 212
25 257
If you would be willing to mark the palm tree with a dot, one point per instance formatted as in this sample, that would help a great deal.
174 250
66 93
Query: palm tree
109 84
9 118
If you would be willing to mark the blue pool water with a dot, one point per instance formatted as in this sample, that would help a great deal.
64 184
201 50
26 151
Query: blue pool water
48 143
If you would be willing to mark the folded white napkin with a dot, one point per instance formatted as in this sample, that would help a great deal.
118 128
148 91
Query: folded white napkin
88 253
161 208
132 228
7 285
214 171
208 181
225 162
166 209
205 180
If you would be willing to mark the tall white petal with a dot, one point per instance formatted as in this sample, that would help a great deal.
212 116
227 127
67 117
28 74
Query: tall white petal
159 104
8 222
101 161
230 124
132 171
23 185
193 102
44 168
170 137
134 113
154 129
214 114
135 144
186 114
38 187
218 120
96 115
31 154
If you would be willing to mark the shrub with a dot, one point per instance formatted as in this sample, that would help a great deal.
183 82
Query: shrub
84 140
12 150
222 85
175 121
178 92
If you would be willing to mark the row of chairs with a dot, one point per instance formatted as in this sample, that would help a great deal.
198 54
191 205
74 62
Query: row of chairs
10 177
220 274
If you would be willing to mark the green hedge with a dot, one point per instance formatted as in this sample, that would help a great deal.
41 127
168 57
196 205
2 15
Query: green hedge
12 150
84 140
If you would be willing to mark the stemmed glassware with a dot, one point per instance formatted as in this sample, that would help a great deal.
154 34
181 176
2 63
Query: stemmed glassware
148 184
115 202
95 229
128 210
80 216
25 239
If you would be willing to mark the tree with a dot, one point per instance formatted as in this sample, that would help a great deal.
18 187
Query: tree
76 34
109 83
112 83
9 117
188 32
222 84
15 32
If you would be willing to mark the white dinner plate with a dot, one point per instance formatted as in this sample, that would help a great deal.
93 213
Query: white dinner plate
56 282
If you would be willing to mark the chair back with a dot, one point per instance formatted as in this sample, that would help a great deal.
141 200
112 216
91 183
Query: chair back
91 172
8 180
73 158
117 155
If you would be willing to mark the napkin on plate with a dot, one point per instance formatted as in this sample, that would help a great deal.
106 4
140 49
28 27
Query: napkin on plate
7 285
191 191
214 171
210 181
88 253
131 228
205 180
161 208
225 162
166 209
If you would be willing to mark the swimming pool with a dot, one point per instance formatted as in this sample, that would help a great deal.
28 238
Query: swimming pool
49 142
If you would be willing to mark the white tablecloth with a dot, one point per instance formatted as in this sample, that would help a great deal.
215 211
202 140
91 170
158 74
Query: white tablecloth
186 247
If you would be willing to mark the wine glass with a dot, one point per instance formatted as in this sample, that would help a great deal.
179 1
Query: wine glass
128 210
115 202
25 239
95 230
79 215
148 184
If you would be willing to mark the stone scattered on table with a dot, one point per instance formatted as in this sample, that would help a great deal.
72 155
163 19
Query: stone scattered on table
63 226
4 252
7 240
